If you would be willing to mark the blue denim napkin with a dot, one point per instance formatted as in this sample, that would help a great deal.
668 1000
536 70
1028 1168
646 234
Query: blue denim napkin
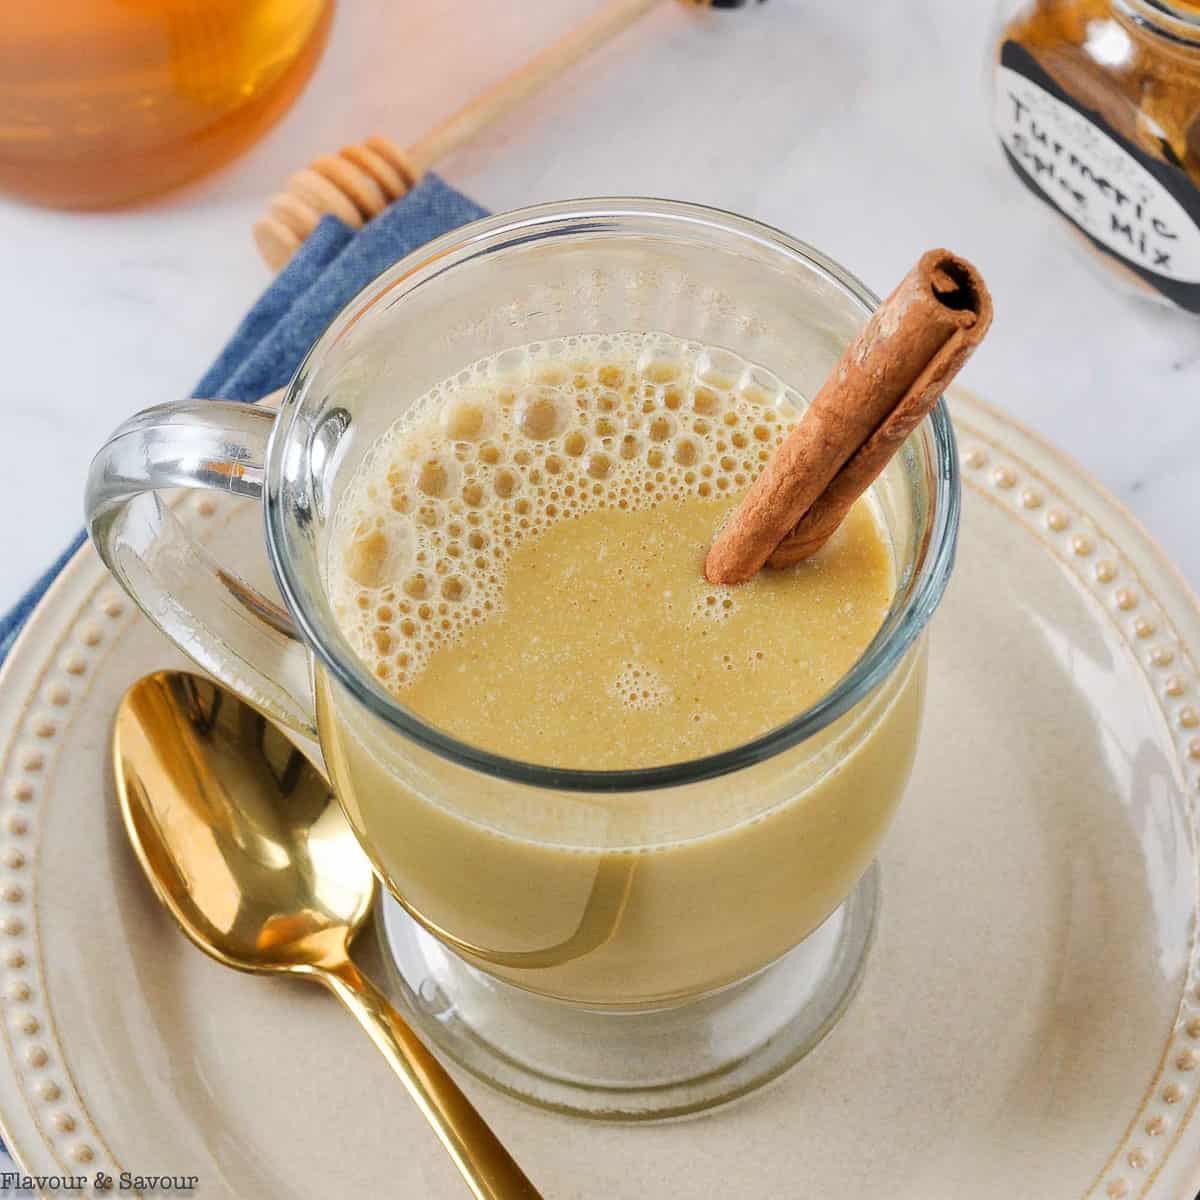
264 352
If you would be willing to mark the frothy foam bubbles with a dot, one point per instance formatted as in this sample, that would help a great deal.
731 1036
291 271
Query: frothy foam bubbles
517 442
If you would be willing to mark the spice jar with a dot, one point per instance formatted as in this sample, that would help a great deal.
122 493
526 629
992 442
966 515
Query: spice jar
1097 106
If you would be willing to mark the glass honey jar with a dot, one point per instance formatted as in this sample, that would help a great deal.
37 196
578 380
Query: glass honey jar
104 102
1097 107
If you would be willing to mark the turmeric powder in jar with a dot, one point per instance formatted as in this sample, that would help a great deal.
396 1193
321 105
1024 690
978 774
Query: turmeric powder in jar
1097 106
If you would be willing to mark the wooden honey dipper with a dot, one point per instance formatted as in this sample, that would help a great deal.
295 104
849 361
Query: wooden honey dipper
359 182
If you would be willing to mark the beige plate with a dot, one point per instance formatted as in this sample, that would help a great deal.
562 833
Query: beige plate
1029 1025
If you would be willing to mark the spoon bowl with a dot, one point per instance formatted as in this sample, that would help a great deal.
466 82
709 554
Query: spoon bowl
240 835
243 840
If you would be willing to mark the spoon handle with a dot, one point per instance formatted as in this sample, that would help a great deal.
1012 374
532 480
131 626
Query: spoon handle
489 1170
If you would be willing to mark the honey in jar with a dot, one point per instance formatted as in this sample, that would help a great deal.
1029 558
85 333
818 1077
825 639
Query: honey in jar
103 102
1097 106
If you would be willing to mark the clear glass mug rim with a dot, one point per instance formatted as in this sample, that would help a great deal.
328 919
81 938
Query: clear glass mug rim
901 627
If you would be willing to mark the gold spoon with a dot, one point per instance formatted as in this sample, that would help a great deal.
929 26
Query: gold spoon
243 840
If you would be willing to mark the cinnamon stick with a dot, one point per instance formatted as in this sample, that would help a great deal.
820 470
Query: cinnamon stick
883 386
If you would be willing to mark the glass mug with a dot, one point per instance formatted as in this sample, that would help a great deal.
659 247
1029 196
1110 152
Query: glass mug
625 944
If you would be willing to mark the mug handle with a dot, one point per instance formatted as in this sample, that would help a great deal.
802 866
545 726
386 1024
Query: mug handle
236 634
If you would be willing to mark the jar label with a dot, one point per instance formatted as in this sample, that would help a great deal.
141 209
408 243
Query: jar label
1138 208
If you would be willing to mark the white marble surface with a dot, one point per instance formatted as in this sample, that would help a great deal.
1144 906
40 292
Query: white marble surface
866 134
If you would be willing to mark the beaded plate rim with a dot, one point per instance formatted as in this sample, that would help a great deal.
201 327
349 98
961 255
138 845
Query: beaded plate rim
37 1090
